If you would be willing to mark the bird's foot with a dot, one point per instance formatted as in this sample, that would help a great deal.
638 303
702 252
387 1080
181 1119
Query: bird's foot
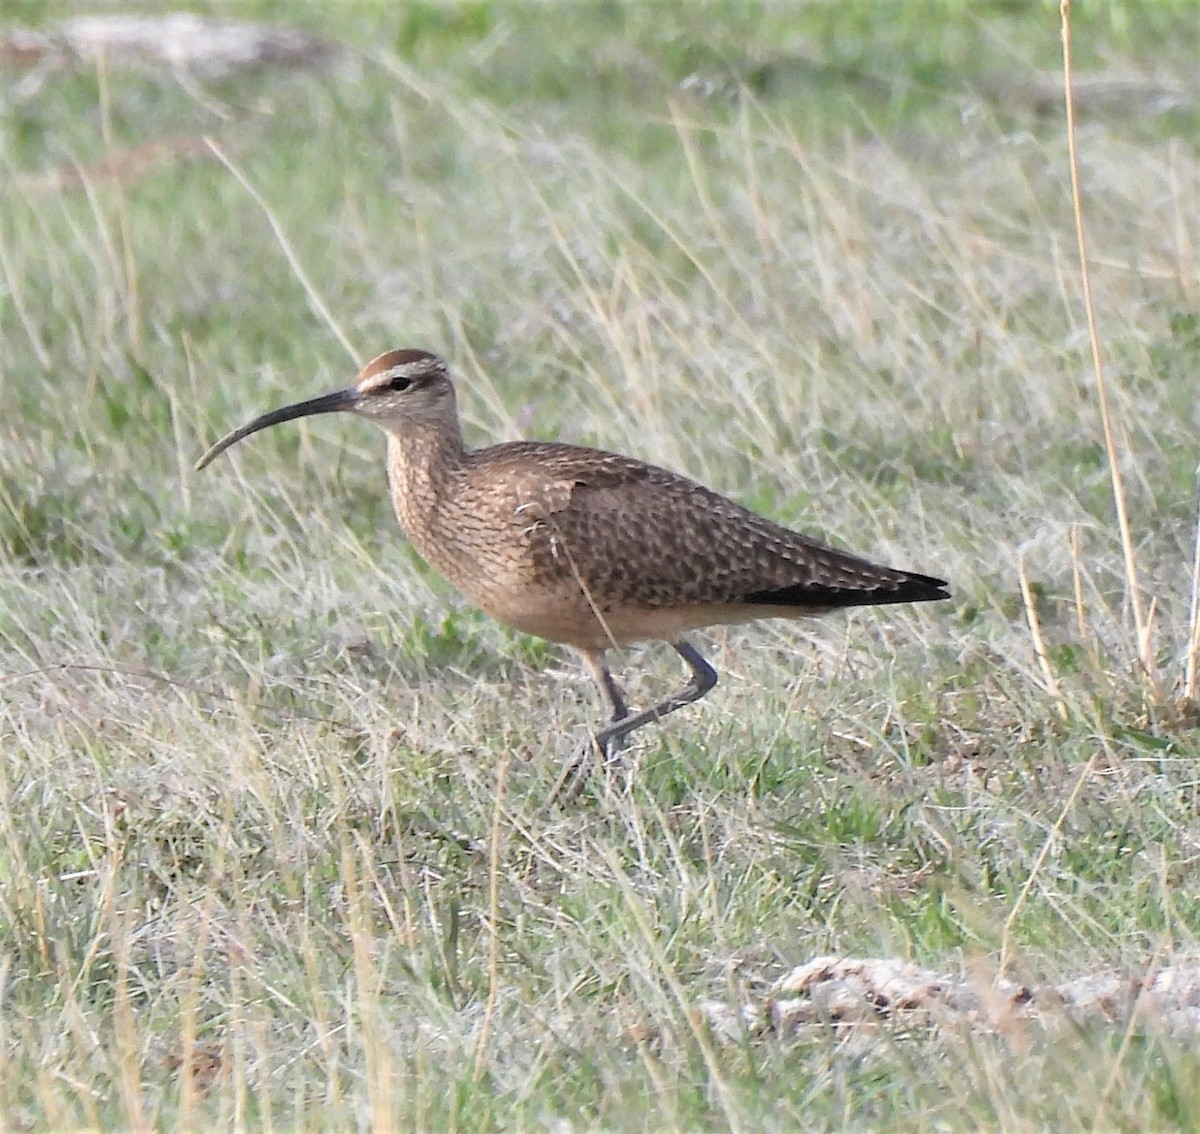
591 752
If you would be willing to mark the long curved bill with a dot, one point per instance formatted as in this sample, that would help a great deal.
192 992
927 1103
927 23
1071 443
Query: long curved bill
326 403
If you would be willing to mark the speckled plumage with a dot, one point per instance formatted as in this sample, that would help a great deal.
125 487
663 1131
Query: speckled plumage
585 547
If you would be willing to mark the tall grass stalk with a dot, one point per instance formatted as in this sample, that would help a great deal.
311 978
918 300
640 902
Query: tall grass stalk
1142 624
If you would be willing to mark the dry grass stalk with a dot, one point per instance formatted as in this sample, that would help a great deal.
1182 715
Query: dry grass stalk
1039 642
1141 624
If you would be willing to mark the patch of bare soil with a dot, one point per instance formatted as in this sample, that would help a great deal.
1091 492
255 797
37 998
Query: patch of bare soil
190 47
856 992
205 47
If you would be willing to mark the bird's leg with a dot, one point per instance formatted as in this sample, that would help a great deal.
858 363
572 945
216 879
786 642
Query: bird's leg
575 771
704 677
614 699
610 739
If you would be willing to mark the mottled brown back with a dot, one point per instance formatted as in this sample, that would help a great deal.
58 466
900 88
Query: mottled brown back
643 537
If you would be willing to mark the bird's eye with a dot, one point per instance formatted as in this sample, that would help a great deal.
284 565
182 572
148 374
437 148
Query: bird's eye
400 382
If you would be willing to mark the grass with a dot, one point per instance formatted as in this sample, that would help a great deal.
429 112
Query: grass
270 839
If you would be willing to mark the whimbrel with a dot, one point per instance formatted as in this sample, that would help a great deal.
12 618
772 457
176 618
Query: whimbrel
585 547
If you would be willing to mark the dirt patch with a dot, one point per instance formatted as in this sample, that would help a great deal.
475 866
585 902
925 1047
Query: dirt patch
849 991
178 40
189 47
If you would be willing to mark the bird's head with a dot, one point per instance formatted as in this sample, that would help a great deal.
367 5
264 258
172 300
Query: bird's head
397 389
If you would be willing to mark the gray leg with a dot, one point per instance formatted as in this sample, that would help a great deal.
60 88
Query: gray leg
704 677
614 699
578 767
609 740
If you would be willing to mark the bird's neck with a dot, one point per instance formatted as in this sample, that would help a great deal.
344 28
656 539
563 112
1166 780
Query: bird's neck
422 459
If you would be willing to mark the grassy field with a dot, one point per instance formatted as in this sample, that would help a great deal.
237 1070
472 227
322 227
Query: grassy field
272 854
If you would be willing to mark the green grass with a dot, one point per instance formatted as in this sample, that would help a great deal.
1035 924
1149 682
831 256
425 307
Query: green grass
270 791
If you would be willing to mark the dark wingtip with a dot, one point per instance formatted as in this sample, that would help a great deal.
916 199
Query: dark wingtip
920 588
900 586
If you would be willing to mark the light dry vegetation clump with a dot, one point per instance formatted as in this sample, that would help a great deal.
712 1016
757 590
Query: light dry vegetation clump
271 851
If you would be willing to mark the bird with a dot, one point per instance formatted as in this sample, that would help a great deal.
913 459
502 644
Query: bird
584 547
